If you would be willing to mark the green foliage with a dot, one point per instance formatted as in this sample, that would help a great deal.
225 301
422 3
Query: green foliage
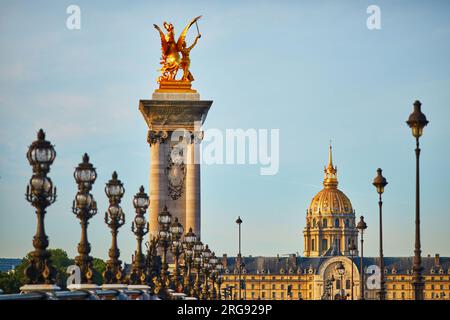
12 281
99 267
9 282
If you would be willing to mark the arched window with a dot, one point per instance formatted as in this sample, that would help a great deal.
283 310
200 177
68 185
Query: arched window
324 223
347 223
336 223
314 223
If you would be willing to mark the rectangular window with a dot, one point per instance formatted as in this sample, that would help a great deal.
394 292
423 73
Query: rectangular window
324 244
338 284
347 284
274 296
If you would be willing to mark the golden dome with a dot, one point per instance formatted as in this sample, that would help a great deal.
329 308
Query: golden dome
330 200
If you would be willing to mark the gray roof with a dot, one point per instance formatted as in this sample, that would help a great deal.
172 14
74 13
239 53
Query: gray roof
299 265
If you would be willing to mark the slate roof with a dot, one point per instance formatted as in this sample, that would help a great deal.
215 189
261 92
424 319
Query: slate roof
302 265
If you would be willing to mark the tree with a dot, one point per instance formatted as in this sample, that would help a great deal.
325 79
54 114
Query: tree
99 267
12 281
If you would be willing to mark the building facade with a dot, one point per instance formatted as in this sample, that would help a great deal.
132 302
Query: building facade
328 268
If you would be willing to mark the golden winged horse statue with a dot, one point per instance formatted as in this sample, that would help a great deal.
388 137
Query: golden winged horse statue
171 60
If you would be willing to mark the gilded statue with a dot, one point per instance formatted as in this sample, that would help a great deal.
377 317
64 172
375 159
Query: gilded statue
175 55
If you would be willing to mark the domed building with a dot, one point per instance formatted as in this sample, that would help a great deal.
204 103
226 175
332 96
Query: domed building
327 270
330 219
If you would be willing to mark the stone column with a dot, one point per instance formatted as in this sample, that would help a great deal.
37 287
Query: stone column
158 177
193 207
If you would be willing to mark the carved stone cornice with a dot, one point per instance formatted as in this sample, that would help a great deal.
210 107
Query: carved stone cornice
157 137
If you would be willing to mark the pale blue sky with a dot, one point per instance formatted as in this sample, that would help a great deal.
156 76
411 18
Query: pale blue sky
311 69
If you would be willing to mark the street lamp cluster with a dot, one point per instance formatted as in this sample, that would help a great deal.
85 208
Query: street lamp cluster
149 271
196 271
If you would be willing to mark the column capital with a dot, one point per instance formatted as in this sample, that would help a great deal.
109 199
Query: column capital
157 136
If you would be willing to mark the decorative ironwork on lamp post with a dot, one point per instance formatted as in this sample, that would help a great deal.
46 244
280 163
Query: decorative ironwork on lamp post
41 194
213 276
114 218
188 245
164 239
140 228
198 258
417 121
153 264
205 268
84 207
361 226
176 230
380 183
219 268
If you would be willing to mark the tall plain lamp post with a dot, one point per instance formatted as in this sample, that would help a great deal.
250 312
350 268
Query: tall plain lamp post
352 249
417 121
114 218
40 273
139 227
239 222
361 226
380 183
84 207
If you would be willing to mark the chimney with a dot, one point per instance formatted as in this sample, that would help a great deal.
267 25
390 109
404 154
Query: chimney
436 260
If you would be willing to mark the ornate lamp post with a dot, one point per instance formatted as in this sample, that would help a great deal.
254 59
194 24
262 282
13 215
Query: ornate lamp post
164 238
84 207
417 121
361 226
40 274
177 230
140 228
188 244
206 267
198 258
332 279
341 271
219 268
380 182
352 249
213 272
153 263
114 219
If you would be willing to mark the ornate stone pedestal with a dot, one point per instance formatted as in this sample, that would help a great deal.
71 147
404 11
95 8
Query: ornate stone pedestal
173 117
39 288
